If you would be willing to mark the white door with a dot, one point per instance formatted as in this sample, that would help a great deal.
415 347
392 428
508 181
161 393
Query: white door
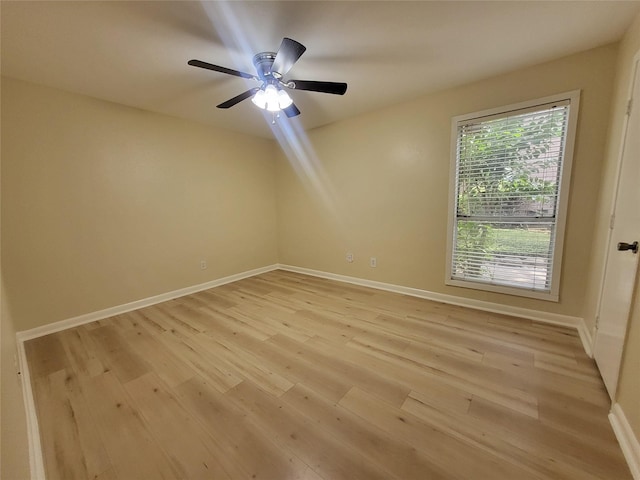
622 262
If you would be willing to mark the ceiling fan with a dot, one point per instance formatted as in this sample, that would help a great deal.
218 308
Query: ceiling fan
271 67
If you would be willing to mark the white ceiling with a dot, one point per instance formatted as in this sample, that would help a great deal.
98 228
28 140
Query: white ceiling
135 53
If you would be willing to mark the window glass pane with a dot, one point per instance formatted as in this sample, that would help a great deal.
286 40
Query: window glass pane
503 253
510 166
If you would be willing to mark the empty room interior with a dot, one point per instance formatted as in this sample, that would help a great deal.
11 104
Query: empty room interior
320 240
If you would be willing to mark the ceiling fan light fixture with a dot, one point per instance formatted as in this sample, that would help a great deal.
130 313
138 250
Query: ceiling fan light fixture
272 99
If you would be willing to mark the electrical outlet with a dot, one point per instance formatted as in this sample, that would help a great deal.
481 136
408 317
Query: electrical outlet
203 264
373 263
350 257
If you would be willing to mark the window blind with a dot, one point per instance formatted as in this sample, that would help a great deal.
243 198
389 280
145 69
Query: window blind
508 170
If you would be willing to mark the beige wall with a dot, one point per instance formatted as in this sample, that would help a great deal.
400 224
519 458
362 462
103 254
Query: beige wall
387 178
104 204
14 449
628 395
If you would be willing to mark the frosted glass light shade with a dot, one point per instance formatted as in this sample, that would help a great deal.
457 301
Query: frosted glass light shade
284 100
260 99
271 99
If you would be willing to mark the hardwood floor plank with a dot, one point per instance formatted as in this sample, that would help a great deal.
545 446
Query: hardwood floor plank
398 458
71 449
167 365
219 299
326 455
182 439
565 413
81 352
45 355
236 323
243 364
133 450
581 451
147 322
202 363
443 397
117 355
245 450
461 460
502 360
106 475
504 394
194 315
387 340
166 316
285 324
482 336
348 373
288 364
485 437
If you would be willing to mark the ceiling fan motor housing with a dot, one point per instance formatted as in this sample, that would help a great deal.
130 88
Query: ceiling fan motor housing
263 62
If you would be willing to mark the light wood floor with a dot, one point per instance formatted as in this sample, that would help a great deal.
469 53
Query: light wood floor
284 376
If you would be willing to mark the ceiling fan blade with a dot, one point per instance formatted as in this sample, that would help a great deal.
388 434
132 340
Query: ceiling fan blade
335 88
238 98
217 68
288 54
291 110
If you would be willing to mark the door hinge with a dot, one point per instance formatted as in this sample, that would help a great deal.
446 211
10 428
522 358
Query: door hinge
629 106
612 221
597 322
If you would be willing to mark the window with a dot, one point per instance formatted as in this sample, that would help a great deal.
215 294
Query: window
509 189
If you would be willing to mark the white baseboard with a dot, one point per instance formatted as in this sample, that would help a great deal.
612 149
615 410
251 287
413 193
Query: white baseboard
585 337
36 461
626 438
546 317
128 307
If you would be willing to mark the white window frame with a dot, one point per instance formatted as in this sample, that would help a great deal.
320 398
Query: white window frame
563 196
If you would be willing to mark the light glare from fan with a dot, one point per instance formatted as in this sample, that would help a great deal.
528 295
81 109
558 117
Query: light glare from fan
291 136
271 99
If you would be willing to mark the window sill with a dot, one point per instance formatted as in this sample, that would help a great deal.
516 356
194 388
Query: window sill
515 291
